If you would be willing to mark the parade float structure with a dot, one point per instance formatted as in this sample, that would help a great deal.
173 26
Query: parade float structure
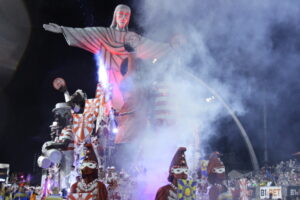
110 119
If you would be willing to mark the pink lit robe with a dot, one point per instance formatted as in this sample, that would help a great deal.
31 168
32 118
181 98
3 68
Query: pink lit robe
110 42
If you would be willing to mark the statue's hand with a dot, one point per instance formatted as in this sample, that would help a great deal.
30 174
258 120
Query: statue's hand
52 28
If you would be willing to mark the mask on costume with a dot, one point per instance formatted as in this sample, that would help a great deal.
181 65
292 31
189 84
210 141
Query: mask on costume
216 169
90 164
219 170
180 170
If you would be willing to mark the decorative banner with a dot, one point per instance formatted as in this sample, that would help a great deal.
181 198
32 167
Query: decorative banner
80 196
92 106
293 191
101 94
265 192
83 125
99 91
186 189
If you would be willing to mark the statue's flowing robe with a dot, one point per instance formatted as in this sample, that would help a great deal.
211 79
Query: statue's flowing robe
133 123
110 44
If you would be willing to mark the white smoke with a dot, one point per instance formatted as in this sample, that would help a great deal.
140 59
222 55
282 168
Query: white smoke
229 45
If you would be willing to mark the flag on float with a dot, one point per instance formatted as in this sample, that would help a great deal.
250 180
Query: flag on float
104 105
83 125
92 106
186 189
99 91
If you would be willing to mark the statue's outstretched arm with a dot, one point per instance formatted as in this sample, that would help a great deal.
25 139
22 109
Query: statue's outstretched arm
55 28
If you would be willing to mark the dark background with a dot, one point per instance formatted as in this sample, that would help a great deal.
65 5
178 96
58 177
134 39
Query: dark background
29 97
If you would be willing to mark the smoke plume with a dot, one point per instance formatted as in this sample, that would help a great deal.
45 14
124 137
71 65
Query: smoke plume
246 51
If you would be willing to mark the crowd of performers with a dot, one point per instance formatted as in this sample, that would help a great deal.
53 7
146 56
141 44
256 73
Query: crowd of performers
120 185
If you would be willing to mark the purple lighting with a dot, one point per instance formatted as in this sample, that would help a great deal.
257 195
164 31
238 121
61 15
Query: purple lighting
102 73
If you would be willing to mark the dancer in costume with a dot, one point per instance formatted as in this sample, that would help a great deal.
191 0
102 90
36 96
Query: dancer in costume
89 187
216 176
178 170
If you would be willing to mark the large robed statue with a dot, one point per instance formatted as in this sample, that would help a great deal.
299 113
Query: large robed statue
111 44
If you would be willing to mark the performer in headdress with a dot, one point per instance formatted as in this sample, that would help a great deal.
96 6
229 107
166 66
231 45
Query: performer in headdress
89 186
216 176
178 170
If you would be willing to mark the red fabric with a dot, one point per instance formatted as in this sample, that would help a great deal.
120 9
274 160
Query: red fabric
92 106
83 125
80 196
163 192
101 193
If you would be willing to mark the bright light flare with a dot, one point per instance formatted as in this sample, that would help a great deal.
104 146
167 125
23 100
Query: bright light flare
115 130
102 73
210 99
154 60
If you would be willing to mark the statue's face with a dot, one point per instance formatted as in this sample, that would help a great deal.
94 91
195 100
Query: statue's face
122 18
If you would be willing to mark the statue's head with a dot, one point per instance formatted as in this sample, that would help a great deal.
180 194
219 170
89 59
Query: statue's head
121 18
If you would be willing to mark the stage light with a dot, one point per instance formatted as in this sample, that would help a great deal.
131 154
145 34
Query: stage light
115 130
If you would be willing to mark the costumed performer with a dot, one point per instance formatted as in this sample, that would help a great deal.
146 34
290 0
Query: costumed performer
216 176
178 170
89 185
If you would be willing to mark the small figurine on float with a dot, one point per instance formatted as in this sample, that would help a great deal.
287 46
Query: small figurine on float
216 176
89 187
60 151
76 101
179 187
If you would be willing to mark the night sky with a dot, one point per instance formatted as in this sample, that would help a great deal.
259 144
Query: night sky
29 97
